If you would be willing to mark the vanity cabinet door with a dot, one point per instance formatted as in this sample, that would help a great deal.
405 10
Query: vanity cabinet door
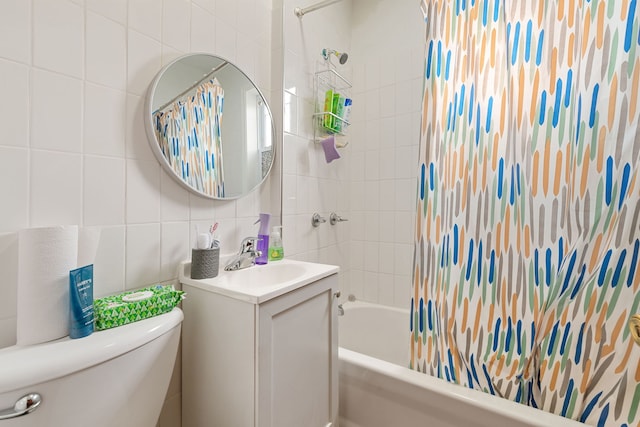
298 357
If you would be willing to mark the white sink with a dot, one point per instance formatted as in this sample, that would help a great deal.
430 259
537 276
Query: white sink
267 275
260 282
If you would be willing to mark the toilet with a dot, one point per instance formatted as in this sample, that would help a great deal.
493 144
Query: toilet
116 377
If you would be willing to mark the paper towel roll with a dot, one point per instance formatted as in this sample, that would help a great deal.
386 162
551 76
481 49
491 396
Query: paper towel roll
46 255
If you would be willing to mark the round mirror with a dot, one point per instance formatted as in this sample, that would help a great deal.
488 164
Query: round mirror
210 127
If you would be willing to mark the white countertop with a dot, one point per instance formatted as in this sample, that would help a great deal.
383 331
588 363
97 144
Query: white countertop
259 283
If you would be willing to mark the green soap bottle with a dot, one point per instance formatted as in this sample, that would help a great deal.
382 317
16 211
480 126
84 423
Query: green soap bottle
276 251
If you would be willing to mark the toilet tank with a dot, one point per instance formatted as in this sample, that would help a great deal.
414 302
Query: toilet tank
116 377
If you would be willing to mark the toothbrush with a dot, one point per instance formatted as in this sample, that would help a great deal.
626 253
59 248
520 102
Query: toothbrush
214 242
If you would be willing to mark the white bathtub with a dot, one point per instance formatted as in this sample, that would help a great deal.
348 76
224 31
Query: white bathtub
377 390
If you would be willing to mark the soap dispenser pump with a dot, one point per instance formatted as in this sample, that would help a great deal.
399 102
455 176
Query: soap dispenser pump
276 251
263 239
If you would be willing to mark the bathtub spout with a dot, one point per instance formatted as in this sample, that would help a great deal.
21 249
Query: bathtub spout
340 310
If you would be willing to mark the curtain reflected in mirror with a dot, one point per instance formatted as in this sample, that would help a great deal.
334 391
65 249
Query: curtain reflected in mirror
190 138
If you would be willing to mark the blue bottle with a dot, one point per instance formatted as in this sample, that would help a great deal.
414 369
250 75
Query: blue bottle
81 302
263 235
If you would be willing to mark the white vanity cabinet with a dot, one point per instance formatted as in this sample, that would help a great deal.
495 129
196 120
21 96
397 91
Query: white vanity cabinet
261 357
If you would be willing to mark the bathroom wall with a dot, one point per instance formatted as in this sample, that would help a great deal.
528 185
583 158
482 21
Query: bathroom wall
388 60
73 149
309 183
373 183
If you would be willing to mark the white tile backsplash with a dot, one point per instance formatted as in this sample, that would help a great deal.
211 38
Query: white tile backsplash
406 101
56 182
58 36
371 73
176 18
203 29
143 192
405 193
14 164
403 260
225 39
15 31
105 113
7 331
104 191
174 248
372 165
144 55
386 289
388 132
387 226
386 258
145 17
109 264
402 291
9 268
370 291
227 11
247 54
14 115
56 111
106 57
136 141
208 5
387 163
371 104
142 255
388 101
112 9
371 135
404 227
175 201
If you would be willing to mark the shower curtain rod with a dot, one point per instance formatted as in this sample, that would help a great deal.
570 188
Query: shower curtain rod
300 12
190 88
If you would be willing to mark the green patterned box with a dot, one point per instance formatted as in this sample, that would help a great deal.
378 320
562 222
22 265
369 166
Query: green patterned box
129 307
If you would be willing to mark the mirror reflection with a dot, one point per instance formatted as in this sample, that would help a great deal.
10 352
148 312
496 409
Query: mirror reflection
210 127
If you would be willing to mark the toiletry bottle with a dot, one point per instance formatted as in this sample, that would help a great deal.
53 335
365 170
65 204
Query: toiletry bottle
340 113
81 315
276 251
346 114
334 110
328 103
263 236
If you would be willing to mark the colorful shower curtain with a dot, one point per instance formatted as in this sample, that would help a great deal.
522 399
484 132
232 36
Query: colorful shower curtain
527 238
189 134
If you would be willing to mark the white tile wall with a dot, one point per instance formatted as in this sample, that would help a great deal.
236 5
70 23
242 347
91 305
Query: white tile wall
56 182
384 148
73 149
58 37
104 191
105 112
16 31
14 115
373 183
56 111
106 58
14 162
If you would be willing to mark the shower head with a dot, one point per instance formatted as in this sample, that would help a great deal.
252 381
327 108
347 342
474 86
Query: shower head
342 57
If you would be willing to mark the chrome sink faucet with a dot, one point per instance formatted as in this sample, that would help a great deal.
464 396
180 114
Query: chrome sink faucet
247 255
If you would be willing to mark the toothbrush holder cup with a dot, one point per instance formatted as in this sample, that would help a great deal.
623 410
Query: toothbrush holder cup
205 263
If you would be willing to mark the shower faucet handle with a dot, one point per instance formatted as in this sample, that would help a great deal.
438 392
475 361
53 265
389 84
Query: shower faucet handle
316 220
334 218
